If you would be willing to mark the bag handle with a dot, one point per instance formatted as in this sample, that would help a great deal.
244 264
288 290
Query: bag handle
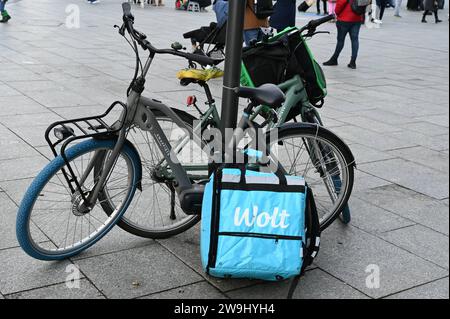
243 168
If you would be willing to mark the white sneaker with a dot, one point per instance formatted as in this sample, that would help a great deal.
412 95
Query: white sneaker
377 21
93 1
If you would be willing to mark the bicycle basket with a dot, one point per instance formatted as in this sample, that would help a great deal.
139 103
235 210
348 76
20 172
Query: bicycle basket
264 63
302 63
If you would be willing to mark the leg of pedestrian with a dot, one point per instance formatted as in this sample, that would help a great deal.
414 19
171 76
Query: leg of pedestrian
342 30
4 14
354 37
398 6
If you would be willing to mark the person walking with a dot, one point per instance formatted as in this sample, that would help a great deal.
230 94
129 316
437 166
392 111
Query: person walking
5 15
348 22
157 4
398 6
332 7
431 6
253 25
381 4
284 15
325 9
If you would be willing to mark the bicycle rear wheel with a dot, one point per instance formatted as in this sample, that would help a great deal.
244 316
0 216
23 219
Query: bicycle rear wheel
155 212
321 157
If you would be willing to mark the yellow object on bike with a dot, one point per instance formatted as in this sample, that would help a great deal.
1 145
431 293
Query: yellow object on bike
200 75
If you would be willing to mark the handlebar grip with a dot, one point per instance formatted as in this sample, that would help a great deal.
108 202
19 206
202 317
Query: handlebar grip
126 9
315 23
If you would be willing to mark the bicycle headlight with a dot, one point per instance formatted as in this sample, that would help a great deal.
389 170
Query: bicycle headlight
62 133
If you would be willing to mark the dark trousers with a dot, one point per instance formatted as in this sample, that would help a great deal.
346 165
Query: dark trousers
344 28
436 16
325 9
382 5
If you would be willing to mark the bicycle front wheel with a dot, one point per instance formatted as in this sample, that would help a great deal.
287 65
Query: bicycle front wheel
321 157
51 225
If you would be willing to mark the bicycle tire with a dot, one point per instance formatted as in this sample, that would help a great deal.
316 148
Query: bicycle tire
312 117
309 130
24 216
140 230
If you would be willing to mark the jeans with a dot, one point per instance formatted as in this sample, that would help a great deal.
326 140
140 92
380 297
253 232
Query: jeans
253 34
2 6
398 6
344 28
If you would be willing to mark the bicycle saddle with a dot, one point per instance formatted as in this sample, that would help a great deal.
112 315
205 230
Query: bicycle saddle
266 94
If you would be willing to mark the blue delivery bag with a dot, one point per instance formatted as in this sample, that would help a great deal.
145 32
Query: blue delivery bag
254 225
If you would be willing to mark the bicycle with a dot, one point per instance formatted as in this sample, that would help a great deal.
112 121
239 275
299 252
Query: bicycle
297 104
90 187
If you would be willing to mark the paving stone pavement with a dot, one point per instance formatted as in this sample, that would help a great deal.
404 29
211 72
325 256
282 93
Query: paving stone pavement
393 111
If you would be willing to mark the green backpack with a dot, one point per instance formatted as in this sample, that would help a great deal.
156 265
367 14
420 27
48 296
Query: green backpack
300 61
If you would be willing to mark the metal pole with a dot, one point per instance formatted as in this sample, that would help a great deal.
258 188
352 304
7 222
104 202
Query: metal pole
233 57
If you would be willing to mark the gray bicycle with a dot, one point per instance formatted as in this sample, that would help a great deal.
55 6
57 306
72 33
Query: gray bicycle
146 171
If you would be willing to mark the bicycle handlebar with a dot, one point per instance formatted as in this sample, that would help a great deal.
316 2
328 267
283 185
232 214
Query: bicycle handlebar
128 20
315 23
126 6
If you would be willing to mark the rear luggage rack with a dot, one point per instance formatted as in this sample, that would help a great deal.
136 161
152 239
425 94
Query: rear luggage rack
82 128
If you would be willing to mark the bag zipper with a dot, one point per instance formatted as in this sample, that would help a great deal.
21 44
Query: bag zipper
214 239
259 235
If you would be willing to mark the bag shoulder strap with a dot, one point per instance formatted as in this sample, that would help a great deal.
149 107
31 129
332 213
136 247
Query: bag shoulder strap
312 249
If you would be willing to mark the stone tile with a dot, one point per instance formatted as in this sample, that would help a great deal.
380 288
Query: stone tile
28 120
316 284
424 156
116 240
427 128
21 168
60 99
367 138
410 175
85 291
387 117
422 242
442 120
7 91
364 181
16 188
186 246
8 212
346 253
370 124
12 146
20 272
411 205
438 143
435 290
364 154
373 219
33 135
137 272
19 105
201 290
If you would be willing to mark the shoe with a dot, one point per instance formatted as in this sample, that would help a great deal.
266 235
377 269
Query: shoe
93 1
397 16
424 21
331 62
438 21
5 17
352 65
377 21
